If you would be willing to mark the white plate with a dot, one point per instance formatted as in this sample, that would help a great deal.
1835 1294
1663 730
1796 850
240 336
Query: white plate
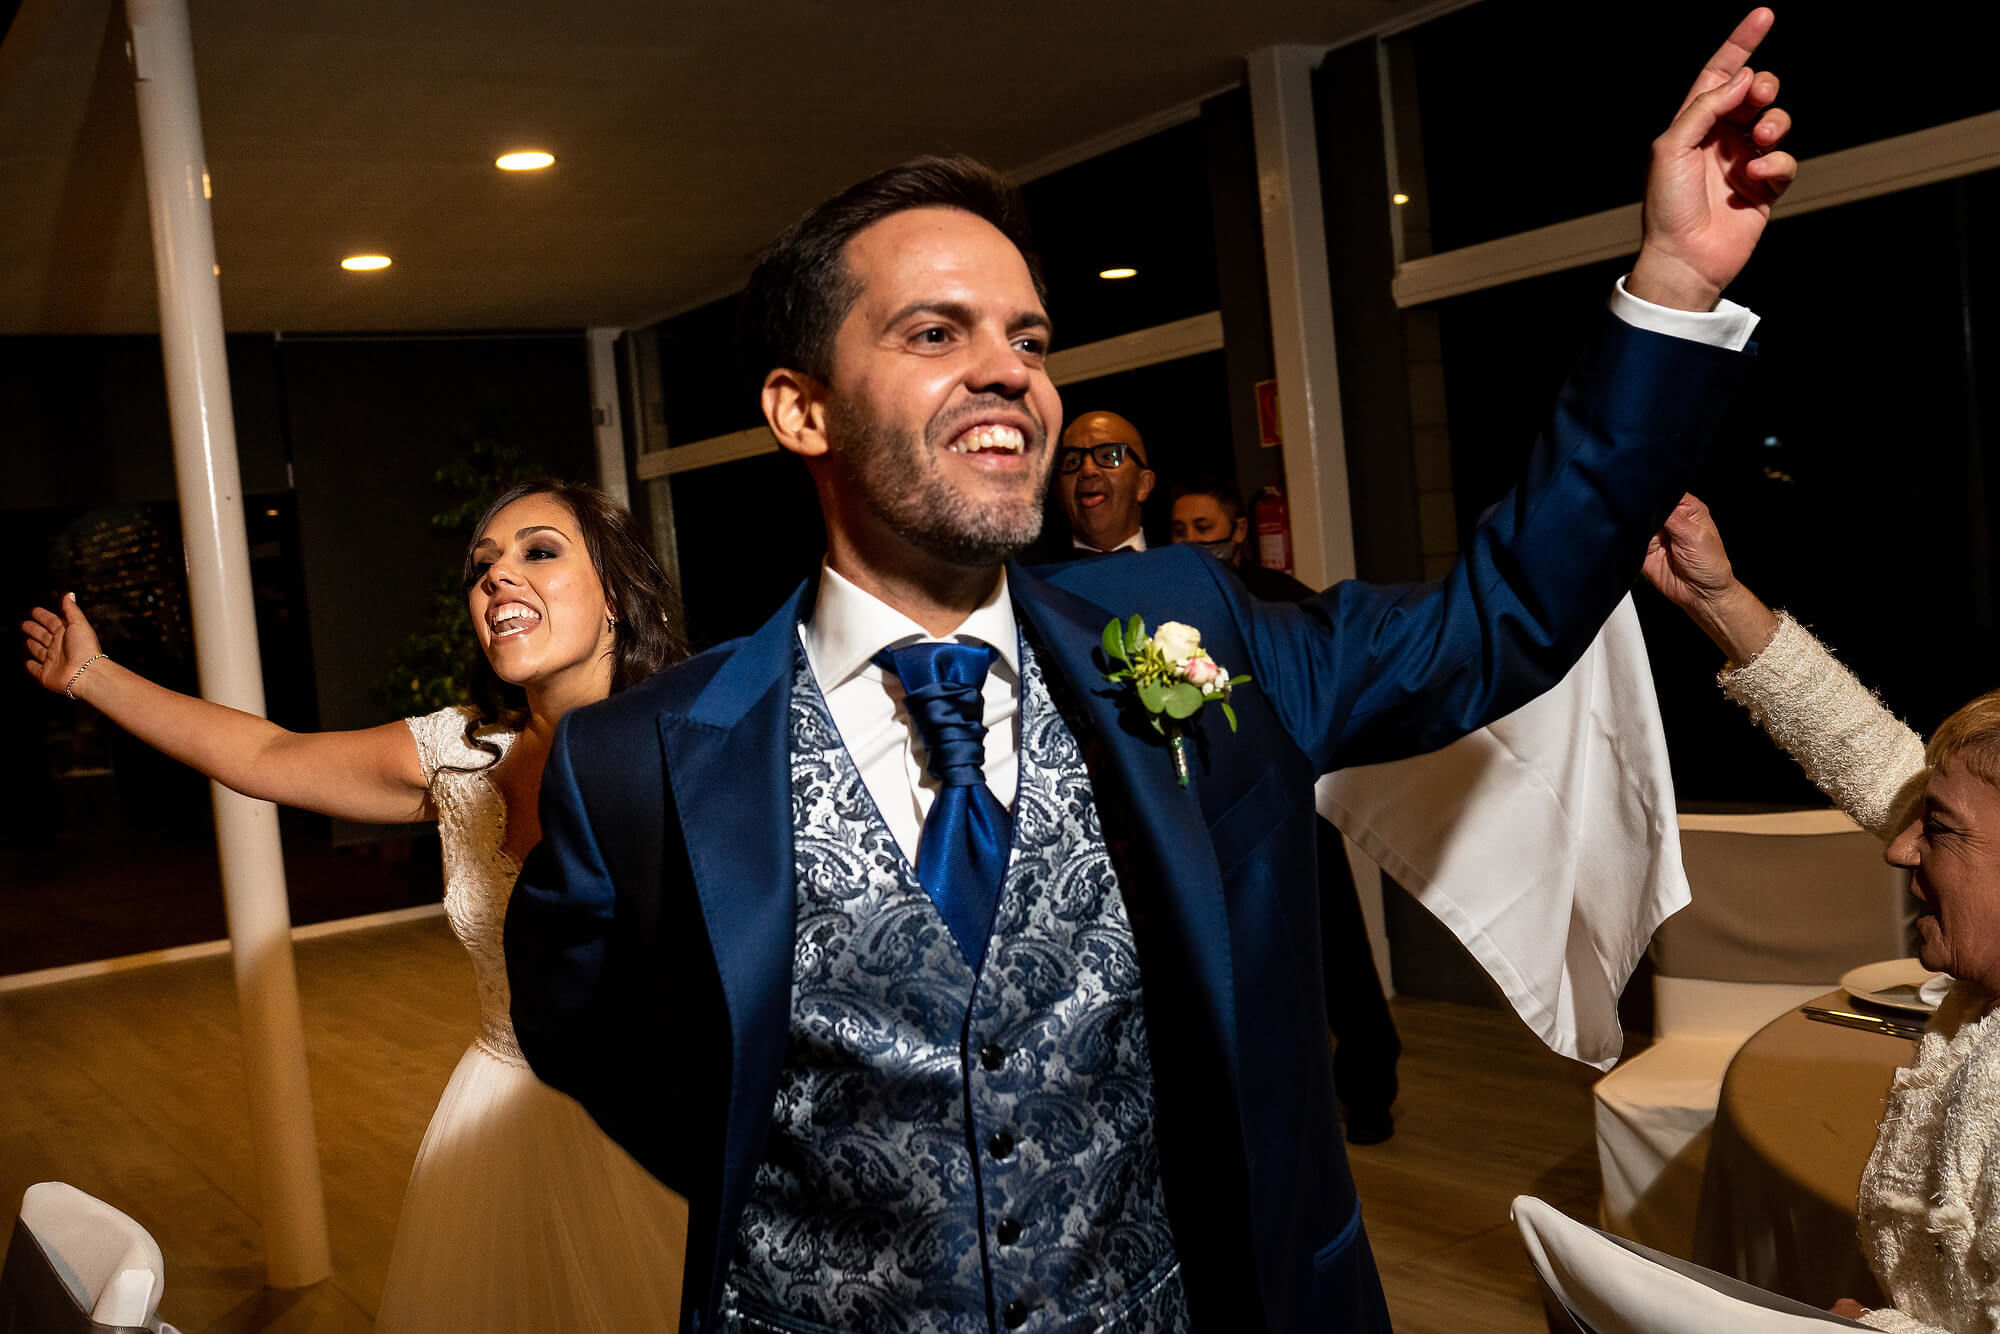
1896 984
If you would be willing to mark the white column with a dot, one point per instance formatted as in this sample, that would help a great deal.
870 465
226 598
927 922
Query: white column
604 413
1301 296
1295 273
292 1203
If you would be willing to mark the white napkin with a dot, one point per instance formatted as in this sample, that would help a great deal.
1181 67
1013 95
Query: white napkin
106 1259
1547 842
1932 992
128 1299
1620 1288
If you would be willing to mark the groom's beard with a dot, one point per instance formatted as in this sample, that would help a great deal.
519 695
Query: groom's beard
896 471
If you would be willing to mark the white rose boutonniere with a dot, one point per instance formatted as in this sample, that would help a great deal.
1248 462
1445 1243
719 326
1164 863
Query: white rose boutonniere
1176 642
1172 676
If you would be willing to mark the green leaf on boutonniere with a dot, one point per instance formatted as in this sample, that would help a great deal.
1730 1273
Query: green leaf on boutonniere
1239 680
1227 712
1182 700
1135 634
1114 643
1153 694
1158 726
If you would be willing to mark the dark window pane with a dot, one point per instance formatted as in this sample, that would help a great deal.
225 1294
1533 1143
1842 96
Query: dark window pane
1852 481
83 420
706 388
749 532
1534 113
106 846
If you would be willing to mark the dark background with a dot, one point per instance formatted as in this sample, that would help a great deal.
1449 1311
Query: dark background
105 847
1536 111
1851 481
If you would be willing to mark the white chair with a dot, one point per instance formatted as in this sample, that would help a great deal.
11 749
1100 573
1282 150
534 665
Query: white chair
1610 1286
1783 905
77 1264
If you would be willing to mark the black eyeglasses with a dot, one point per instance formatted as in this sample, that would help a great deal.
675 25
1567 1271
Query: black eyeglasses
1109 455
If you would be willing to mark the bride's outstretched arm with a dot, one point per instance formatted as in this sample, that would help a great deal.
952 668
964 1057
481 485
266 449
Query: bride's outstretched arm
1853 749
372 775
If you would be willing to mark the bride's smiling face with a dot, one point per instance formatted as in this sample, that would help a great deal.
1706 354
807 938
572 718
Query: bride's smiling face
537 604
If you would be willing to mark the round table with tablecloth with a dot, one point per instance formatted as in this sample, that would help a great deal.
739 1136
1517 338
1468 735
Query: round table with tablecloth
1793 1131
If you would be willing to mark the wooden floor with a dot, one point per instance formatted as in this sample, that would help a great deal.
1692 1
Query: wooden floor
128 1086
1486 1113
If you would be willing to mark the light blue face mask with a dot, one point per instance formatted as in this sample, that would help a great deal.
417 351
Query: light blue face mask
1224 551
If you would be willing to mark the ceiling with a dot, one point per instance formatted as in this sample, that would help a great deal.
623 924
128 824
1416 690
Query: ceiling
685 134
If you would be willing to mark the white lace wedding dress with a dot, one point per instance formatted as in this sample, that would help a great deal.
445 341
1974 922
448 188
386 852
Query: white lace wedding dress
520 1214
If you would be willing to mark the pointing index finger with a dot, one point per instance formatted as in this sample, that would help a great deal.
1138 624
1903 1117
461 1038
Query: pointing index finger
1733 54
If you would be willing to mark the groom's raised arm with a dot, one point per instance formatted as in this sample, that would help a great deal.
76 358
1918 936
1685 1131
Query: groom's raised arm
1364 673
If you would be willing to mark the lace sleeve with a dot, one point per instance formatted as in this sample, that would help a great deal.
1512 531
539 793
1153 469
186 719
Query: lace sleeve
441 740
1889 1319
1855 750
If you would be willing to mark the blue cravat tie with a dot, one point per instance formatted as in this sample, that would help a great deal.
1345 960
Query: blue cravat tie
963 849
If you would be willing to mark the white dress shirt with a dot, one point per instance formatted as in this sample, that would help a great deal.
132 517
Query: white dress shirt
1136 542
848 627
1728 325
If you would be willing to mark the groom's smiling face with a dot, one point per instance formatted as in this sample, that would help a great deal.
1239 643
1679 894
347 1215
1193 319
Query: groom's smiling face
941 408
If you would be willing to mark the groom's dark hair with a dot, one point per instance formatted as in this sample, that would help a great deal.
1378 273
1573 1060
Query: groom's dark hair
802 288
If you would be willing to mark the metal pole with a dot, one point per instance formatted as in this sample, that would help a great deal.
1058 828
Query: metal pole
293 1204
604 414
1302 345
1315 443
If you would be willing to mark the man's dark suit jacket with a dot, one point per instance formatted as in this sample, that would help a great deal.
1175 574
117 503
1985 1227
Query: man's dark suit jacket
650 937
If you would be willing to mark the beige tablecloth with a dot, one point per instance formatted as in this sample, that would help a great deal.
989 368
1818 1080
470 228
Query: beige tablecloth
1793 1132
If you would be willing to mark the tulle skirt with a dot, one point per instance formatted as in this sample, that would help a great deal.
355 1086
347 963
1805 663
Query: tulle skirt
522 1216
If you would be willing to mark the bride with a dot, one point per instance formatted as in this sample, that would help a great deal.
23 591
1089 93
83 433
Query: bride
520 1214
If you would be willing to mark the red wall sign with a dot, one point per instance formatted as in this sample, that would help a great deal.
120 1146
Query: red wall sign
1267 412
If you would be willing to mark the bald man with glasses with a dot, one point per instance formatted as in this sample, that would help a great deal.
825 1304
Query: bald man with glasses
1102 480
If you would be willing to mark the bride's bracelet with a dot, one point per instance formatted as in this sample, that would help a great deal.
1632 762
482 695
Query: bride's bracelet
70 689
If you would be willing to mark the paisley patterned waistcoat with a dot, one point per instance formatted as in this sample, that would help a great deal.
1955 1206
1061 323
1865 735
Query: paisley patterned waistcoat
950 1150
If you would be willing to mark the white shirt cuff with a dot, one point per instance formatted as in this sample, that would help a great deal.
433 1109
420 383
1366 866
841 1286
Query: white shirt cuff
1728 325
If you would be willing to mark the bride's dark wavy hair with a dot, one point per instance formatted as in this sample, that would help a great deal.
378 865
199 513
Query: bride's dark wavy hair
647 603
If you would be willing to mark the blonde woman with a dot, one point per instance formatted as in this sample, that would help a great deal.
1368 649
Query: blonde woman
1929 1206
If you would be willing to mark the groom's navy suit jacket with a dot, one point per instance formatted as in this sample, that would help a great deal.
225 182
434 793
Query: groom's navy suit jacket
650 937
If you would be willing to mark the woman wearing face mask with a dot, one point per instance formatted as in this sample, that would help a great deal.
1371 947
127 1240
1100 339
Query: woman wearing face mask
520 1214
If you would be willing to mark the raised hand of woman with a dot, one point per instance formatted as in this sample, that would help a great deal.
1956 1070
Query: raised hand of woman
1688 563
59 644
1686 559
371 775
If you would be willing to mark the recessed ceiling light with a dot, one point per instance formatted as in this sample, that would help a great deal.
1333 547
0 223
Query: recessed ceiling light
1117 273
1399 199
360 262
531 161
